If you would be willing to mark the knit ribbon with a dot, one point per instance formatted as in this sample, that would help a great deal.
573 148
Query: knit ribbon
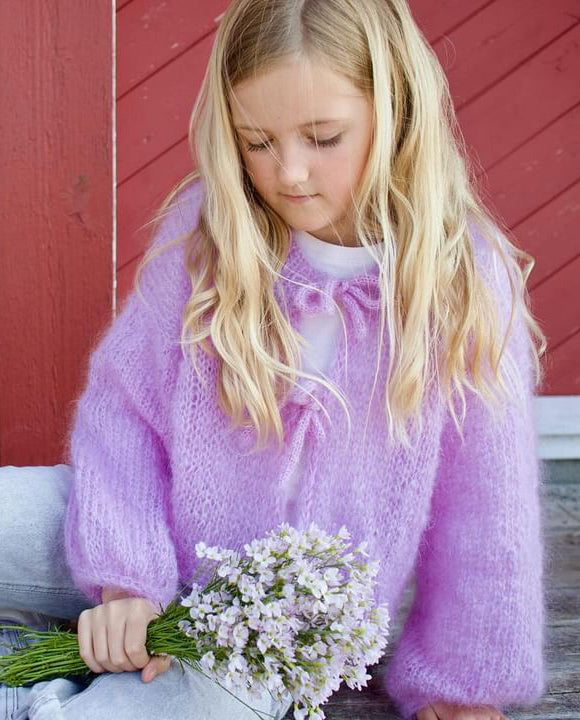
303 413
355 295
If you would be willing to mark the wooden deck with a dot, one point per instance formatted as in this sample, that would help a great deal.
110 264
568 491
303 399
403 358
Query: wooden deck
561 511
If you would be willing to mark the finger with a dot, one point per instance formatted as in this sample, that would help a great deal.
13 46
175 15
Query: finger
444 711
157 664
119 659
135 637
162 663
454 711
101 647
427 713
495 714
492 712
85 640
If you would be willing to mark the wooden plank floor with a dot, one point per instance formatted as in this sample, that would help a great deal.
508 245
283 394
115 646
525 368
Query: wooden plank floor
561 513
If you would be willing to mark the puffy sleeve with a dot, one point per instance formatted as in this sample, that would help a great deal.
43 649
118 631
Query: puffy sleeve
118 521
475 630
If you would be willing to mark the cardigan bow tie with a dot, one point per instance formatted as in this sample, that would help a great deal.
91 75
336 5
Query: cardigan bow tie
356 296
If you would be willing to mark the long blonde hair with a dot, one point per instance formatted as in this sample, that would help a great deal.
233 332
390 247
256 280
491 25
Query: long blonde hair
417 193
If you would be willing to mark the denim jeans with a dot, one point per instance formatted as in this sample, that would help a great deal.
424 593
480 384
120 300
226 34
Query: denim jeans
34 576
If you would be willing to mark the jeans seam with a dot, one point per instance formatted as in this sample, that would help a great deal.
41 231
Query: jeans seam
40 701
40 588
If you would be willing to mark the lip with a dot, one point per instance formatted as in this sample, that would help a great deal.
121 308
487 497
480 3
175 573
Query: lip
298 198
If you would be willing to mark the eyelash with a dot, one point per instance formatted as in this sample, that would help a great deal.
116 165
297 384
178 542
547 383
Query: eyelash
323 143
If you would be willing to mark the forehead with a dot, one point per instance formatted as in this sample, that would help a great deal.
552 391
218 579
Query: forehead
291 94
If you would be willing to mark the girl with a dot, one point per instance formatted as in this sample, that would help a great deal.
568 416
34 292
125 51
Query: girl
332 212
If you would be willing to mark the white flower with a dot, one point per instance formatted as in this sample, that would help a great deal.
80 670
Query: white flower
207 661
332 577
230 615
319 607
237 663
275 683
240 635
184 626
193 598
212 622
267 577
263 642
224 569
230 681
320 648
288 590
271 609
254 617
362 548
215 553
318 586
357 677
271 663
223 634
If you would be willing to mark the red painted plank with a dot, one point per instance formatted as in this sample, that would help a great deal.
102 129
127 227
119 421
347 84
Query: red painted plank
494 42
551 234
125 279
140 197
55 214
525 102
155 116
436 17
152 34
539 170
563 368
556 303
121 3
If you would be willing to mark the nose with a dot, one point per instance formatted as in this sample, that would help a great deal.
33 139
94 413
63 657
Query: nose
292 167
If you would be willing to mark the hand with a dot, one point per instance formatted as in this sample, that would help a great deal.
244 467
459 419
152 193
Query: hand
112 636
442 711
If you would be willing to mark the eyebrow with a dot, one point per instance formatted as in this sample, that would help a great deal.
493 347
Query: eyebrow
307 124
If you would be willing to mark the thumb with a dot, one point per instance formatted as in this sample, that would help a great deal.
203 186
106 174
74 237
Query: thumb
157 664
427 713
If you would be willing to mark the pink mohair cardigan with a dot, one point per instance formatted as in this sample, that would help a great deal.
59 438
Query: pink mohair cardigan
158 466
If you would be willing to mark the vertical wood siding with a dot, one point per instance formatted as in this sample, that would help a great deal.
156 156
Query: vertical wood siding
55 215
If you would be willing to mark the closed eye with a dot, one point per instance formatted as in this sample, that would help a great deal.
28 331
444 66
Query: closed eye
322 143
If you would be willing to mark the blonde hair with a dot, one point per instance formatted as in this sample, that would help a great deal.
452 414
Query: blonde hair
417 193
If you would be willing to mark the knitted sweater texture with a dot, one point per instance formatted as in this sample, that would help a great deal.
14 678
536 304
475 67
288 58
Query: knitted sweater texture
159 466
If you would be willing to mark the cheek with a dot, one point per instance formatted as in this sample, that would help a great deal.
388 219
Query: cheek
259 170
337 171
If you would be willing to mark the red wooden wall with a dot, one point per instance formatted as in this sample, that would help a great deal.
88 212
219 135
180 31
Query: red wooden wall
513 68
55 214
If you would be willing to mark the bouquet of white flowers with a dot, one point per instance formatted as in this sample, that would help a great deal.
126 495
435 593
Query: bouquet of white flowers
296 613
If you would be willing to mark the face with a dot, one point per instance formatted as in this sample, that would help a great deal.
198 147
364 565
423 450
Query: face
286 154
